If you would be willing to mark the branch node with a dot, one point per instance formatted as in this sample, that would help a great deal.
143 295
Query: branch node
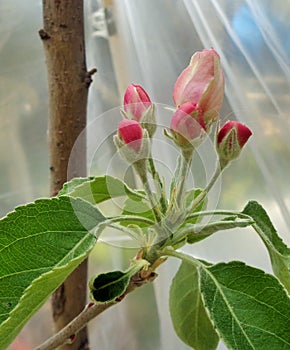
72 338
43 34
88 78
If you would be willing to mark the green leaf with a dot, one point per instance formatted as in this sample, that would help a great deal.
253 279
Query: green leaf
249 308
188 314
200 232
278 251
40 245
98 189
109 286
139 208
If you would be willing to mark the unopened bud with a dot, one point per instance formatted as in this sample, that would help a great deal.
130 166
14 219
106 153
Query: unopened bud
132 141
138 106
136 102
231 139
202 82
187 125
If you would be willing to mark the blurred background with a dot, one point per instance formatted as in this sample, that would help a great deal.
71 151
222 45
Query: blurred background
149 43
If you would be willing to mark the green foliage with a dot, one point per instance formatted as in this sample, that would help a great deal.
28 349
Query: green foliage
278 251
98 189
41 244
137 207
249 308
200 232
108 286
188 313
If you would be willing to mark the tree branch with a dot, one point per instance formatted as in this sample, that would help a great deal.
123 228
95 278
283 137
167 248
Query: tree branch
68 334
68 80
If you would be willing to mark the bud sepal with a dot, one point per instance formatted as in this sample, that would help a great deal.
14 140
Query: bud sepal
187 126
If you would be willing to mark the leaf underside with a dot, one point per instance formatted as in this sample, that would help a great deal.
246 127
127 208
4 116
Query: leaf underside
278 251
188 314
108 286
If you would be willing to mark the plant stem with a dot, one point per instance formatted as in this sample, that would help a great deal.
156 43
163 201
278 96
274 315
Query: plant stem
218 212
184 257
126 218
68 333
184 168
204 193
158 183
155 207
205 230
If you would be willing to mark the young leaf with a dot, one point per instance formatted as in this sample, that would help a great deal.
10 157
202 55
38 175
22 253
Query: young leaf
40 245
98 189
139 208
70 186
197 232
249 308
278 251
188 314
109 286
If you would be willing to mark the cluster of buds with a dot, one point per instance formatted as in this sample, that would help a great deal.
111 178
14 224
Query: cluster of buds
198 93
198 96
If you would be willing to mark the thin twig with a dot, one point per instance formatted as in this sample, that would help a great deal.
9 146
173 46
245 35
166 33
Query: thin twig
68 333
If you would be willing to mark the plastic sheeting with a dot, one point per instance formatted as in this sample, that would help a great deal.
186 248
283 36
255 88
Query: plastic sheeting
149 43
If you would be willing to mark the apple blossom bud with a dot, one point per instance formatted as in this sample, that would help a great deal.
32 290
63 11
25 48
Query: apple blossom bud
131 133
132 141
231 138
202 82
136 102
138 106
187 125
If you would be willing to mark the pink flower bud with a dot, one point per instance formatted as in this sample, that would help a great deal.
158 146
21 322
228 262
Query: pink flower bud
202 82
187 124
231 139
136 102
131 133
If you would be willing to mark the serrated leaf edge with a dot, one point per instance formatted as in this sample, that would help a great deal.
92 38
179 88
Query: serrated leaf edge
92 179
27 290
241 264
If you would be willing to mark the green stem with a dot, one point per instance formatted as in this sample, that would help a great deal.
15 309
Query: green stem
184 168
159 184
140 168
129 232
204 193
200 229
155 208
184 257
126 218
217 212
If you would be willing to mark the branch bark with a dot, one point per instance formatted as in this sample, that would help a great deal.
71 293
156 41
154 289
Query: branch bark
68 333
68 81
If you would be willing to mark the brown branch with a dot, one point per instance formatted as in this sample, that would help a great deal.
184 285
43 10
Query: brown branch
68 80
68 334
